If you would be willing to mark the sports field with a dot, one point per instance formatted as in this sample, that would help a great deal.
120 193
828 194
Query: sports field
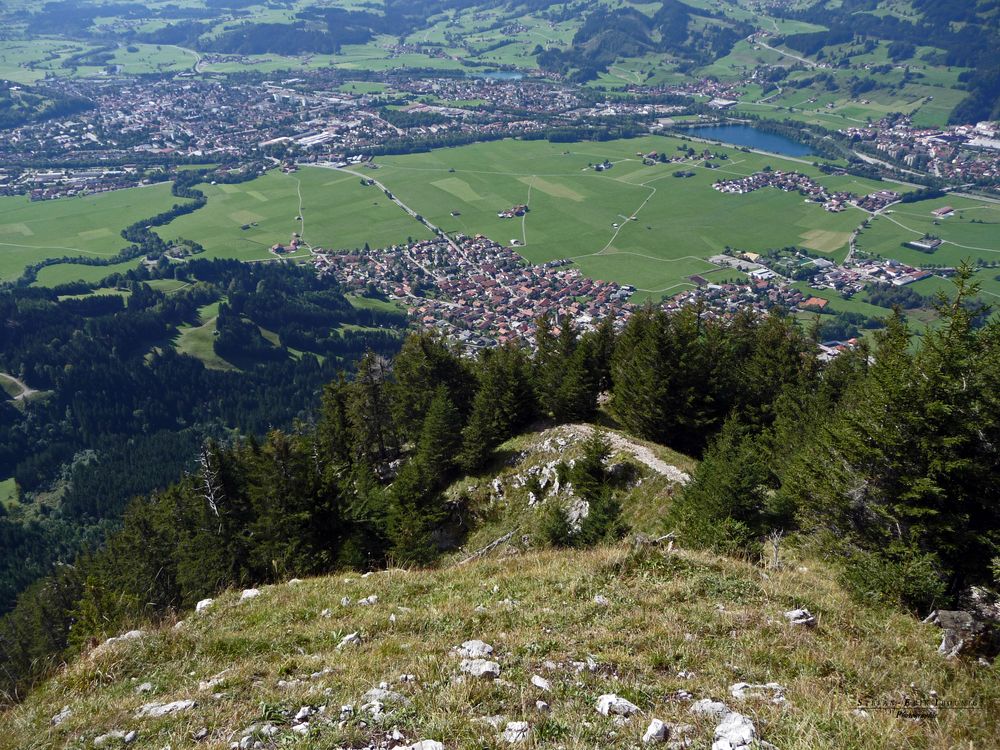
327 208
88 225
579 213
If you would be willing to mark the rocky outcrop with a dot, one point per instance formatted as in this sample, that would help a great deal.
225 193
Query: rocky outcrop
153 710
971 631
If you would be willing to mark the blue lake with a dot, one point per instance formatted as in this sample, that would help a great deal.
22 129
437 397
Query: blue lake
746 135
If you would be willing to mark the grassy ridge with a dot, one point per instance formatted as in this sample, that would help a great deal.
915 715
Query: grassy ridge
674 619
669 612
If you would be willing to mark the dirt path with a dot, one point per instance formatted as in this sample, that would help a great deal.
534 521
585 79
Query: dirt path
639 452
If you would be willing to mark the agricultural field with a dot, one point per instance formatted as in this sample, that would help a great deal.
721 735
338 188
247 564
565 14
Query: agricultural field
336 212
85 225
576 212
971 233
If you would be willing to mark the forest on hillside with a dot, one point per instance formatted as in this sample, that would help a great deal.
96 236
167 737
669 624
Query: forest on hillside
122 412
885 458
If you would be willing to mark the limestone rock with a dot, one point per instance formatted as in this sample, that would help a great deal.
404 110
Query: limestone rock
541 683
602 600
351 639
368 601
203 605
382 695
152 710
249 594
771 691
516 731
800 617
657 731
481 668
126 738
474 649
213 681
966 632
146 687
129 636
611 705
734 732
708 707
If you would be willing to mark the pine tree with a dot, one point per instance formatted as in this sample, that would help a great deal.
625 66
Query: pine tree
591 483
441 436
725 506
504 402
368 409
423 364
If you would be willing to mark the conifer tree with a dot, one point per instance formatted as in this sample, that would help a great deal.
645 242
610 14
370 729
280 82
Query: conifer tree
369 413
441 436
725 506
423 364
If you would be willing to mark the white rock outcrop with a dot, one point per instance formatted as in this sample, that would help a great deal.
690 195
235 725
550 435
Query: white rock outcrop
515 731
612 705
734 732
152 710
203 605
474 649
481 668
249 594
708 707
801 617
421 745
657 731
771 691
131 635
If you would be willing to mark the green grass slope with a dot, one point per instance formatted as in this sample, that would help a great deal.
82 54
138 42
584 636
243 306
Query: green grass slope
670 619
669 612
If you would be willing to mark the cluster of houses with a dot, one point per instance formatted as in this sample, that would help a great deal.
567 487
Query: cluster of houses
878 200
834 202
787 182
476 291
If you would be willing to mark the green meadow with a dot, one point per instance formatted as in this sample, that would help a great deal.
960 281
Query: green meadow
633 224
336 212
86 225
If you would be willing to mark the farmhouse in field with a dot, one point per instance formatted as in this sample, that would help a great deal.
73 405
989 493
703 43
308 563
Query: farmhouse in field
940 213
510 213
